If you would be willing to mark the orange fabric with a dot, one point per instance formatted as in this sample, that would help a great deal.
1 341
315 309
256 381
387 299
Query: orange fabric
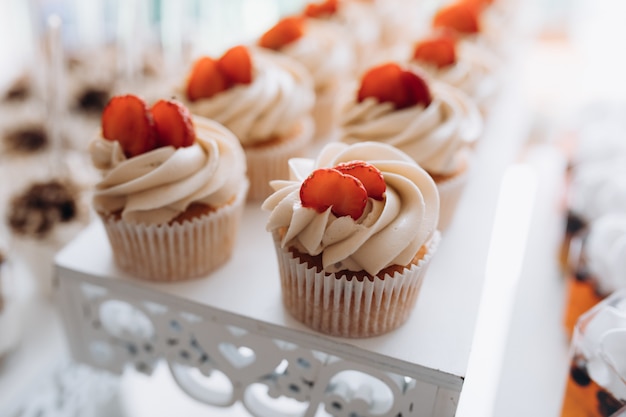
580 297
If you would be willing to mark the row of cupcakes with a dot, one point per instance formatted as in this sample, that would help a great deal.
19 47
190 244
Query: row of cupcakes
355 227
591 252
358 218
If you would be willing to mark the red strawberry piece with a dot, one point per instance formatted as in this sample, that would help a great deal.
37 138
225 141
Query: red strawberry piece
436 50
391 83
327 187
287 30
370 176
479 5
321 10
461 17
173 124
126 119
236 65
205 79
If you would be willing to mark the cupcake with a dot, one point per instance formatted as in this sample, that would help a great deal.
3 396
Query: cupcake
595 385
432 122
324 49
362 28
462 65
354 232
595 189
43 217
601 266
467 20
173 188
398 21
264 98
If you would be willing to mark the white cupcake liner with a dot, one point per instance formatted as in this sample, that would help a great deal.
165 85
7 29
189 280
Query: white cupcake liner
347 307
269 162
179 251
450 192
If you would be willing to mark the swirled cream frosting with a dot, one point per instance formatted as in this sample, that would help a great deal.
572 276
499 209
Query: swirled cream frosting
155 187
389 232
279 97
326 52
437 137
474 72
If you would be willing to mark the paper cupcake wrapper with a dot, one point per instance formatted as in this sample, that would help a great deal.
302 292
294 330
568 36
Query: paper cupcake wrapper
450 192
344 307
179 251
270 162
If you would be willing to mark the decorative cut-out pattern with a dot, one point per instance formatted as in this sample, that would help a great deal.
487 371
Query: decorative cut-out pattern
217 360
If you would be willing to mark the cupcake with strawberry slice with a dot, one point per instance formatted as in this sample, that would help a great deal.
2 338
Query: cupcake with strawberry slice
460 64
354 232
264 98
323 47
173 188
432 122
468 20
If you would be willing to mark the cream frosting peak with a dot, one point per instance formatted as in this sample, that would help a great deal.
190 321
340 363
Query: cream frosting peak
325 51
390 232
280 95
436 137
158 185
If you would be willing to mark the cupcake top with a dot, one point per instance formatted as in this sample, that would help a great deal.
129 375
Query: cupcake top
162 161
362 207
320 45
605 252
256 93
433 123
360 21
460 64
465 19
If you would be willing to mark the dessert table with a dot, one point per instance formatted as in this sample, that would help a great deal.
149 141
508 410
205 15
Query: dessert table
211 325
484 339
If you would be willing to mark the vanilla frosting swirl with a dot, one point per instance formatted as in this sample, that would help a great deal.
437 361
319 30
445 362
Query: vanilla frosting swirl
437 137
155 187
279 97
474 72
389 232
325 51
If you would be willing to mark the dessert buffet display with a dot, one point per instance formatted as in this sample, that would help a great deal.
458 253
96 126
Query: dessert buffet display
301 214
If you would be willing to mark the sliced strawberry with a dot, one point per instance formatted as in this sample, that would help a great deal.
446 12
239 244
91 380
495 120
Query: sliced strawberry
173 124
287 30
327 187
370 176
205 79
126 119
321 10
461 17
439 50
391 83
236 65
479 5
